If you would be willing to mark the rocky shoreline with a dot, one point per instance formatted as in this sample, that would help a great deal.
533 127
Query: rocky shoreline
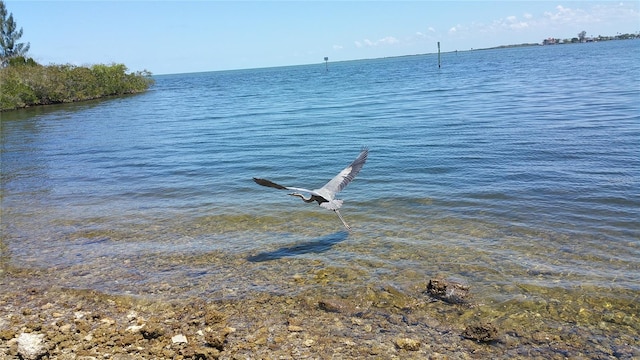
377 323
78 324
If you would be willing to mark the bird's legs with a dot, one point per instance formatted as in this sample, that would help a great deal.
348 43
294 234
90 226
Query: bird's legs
322 201
344 222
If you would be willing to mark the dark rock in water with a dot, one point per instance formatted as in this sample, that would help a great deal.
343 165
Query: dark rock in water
448 291
481 332
332 305
151 331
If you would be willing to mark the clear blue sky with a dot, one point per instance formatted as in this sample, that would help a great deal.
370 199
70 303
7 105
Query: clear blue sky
189 36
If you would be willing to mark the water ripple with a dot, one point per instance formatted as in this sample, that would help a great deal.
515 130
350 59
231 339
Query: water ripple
505 167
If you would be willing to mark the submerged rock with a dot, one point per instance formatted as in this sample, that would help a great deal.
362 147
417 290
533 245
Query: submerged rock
335 306
481 332
448 291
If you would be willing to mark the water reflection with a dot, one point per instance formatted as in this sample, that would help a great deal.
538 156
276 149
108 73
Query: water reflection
318 245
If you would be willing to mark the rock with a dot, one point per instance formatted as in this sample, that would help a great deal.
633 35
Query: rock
335 306
481 332
134 328
7 334
213 317
389 296
31 346
348 342
448 291
309 342
79 315
107 321
294 321
132 315
295 328
179 339
127 339
216 341
408 344
65 328
294 325
152 331
202 353
542 337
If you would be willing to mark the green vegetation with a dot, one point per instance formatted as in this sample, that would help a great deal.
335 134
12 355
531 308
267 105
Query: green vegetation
23 82
9 35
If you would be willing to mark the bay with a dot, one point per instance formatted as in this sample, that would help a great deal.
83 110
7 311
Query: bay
512 170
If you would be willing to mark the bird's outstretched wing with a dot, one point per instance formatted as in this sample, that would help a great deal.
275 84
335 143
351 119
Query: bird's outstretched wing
265 182
269 183
345 176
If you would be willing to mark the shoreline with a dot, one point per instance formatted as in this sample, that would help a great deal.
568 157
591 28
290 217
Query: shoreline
372 322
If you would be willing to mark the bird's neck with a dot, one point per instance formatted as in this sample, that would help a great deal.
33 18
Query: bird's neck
307 200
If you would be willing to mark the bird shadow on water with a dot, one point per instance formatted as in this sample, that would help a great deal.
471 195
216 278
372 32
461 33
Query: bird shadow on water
318 245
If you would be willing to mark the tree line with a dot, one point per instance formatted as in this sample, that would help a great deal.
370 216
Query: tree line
25 83
582 37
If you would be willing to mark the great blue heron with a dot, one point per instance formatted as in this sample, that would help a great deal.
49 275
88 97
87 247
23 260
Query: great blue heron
326 195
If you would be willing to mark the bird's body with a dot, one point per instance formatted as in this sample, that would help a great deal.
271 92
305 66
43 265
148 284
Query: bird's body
326 195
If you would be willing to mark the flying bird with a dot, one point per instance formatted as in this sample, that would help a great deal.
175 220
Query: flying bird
326 195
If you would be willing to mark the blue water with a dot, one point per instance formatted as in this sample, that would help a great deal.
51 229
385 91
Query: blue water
514 170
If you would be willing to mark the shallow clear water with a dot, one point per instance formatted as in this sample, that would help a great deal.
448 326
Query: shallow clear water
513 170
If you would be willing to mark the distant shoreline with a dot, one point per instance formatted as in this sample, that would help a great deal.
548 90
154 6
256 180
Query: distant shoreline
553 44
511 46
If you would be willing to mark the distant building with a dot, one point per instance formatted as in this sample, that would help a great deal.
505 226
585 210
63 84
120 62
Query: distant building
576 40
